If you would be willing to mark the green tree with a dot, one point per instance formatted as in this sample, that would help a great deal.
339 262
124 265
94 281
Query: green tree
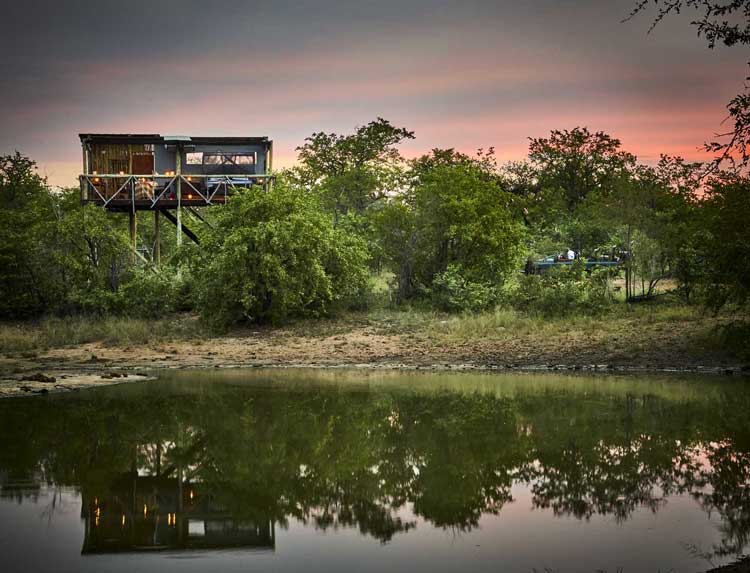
351 172
275 255
453 232
578 163
725 216
91 254
570 171
650 215
27 217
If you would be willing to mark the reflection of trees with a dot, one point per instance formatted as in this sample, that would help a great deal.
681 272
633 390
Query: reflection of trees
338 458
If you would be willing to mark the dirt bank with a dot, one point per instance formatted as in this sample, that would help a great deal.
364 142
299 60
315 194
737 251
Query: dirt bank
618 345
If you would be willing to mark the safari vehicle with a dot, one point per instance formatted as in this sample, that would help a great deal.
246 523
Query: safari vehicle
561 261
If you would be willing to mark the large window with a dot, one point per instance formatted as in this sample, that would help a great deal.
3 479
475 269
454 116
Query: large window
248 159
194 158
220 158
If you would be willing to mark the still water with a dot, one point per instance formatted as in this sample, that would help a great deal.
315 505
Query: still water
341 471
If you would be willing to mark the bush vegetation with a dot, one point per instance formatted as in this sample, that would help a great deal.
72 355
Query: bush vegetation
452 230
271 256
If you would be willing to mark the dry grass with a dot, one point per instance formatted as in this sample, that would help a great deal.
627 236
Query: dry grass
112 331
651 335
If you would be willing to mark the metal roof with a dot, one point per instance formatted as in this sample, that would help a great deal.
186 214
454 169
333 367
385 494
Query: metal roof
157 138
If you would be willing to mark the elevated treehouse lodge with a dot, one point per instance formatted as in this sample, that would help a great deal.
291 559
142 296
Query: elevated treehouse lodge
166 174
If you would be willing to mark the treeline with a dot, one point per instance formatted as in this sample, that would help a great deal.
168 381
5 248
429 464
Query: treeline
453 231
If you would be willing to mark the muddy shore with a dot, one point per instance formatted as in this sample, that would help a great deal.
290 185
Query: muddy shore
90 365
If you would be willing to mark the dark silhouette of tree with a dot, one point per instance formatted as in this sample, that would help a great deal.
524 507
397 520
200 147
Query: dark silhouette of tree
724 22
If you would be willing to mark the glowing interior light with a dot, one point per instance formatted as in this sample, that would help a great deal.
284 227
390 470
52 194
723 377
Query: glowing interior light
190 195
122 173
191 494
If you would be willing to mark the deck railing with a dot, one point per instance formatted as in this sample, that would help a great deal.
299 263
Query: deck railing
149 190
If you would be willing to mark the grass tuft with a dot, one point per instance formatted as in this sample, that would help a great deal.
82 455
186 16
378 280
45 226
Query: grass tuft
112 331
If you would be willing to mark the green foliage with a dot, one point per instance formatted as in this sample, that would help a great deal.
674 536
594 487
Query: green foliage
452 292
92 255
563 291
151 294
451 228
734 337
26 208
726 251
578 163
351 172
275 255
455 214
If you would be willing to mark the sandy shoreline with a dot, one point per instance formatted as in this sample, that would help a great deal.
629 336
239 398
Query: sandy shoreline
95 365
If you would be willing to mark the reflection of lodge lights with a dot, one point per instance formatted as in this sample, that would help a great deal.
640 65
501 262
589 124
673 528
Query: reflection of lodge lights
145 510
172 519
192 495
122 521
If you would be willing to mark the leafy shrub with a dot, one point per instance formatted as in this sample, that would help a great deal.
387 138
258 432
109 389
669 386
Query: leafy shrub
452 292
273 255
562 291
151 294
734 337
92 302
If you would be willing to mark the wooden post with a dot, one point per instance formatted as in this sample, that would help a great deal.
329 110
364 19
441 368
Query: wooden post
178 172
133 236
269 166
157 239
628 267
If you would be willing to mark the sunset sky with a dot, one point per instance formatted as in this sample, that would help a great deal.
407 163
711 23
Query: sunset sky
460 74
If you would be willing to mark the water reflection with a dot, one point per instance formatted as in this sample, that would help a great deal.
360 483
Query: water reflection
197 463
138 512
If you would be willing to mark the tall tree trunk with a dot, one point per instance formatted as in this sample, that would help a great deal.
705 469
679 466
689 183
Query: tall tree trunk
628 270
405 271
